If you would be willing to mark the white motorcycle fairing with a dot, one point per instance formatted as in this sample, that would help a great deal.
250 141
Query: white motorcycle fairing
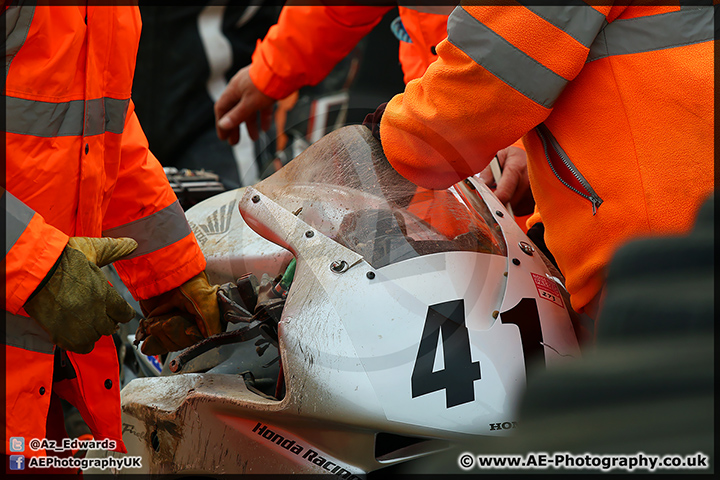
394 343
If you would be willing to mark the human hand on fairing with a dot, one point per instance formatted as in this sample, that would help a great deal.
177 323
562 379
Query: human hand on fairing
179 317
514 184
75 304
240 102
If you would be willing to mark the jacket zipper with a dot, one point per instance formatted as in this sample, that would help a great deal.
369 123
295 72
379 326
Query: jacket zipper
564 170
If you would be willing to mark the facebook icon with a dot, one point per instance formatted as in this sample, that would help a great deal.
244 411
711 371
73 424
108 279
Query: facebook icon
17 462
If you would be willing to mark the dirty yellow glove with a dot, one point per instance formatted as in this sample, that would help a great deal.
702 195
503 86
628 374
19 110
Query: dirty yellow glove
75 304
180 317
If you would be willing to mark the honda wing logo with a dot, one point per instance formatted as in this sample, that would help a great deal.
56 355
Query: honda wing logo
216 223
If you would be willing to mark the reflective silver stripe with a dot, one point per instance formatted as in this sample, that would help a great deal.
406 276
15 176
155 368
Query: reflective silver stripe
115 113
502 59
689 26
580 21
43 119
17 25
64 119
94 124
154 232
105 115
17 218
26 333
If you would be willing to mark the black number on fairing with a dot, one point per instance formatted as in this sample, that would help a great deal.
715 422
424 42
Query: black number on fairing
446 319
527 318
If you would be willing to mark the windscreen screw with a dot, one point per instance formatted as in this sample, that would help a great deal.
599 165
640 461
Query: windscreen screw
495 314
499 213
526 248
256 198
516 261
370 275
309 234
339 266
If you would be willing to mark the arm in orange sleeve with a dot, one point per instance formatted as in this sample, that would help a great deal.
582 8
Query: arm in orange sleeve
306 43
449 124
32 248
144 207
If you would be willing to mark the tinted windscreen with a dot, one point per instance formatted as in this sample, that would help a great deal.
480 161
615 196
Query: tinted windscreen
344 187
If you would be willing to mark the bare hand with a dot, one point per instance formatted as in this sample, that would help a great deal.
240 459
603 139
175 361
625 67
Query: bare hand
240 102
514 185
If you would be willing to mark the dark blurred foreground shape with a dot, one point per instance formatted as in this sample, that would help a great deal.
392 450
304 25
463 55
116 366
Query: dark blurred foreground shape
186 56
647 386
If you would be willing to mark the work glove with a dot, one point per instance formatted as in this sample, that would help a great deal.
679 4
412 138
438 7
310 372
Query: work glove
180 317
75 303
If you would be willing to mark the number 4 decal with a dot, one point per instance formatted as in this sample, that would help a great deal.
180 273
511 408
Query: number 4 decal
459 372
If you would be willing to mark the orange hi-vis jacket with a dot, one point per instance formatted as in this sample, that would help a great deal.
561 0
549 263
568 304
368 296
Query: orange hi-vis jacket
77 164
618 103
308 41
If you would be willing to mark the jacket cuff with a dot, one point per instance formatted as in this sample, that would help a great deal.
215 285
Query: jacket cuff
519 143
158 272
30 260
265 79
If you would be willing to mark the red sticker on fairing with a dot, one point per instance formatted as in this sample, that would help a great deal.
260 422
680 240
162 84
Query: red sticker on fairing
548 289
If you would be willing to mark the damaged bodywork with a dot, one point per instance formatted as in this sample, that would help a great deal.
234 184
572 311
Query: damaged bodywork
407 325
